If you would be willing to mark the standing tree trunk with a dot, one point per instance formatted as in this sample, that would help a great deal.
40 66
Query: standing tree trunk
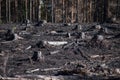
66 11
9 10
77 9
72 13
31 10
63 11
26 10
86 10
39 11
90 16
16 10
6 10
0 10
46 16
80 11
117 9
105 10
52 11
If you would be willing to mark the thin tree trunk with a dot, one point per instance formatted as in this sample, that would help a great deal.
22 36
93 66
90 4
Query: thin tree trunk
34 10
31 10
26 8
63 11
91 11
105 10
80 11
0 11
6 10
16 10
117 9
9 10
39 11
86 11
52 11
46 11
72 12
77 9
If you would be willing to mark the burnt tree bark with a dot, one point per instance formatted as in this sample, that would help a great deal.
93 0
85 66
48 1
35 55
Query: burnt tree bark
77 9
9 10
63 10
105 10
26 9
72 12
16 11
39 11
31 10
117 9
52 11
6 10
0 10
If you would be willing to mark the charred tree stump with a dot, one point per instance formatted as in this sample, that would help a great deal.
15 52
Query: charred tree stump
37 56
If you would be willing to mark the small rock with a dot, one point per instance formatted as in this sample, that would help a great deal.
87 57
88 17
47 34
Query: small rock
100 37
117 71
98 27
53 32
104 66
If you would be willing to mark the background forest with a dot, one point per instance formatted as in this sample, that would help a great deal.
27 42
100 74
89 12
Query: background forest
58 11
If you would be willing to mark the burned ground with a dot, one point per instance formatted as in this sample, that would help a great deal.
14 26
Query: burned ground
95 55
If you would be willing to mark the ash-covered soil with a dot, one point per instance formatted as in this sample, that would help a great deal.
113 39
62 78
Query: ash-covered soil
92 51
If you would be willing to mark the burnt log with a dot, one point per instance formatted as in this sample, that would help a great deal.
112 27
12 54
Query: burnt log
41 23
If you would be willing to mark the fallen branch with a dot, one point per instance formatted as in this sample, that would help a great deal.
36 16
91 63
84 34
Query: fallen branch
54 33
54 52
68 45
51 69
1 54
44 77
29 47
55 43
17 37
47 69
10 78
31 71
